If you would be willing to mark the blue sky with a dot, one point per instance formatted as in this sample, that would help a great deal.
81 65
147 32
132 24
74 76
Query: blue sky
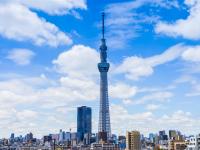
49 55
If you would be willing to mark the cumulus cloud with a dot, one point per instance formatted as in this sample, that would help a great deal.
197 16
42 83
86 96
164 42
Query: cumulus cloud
195 91
135 67
17 120
26 114
192 54
122 91
52 7
155 96
19 23
79 61
21 56
26 98
178 120
75 86
55 7
191 81
187 28
152 107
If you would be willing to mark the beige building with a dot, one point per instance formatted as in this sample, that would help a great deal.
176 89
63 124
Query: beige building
133 140
105 146
177 145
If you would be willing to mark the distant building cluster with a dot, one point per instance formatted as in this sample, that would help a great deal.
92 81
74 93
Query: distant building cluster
86 140
172 141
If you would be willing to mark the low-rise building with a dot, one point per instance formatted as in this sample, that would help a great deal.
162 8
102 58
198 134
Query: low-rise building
191 143
177 145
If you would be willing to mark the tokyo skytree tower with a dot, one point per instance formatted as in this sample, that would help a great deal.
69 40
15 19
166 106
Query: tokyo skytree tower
103 66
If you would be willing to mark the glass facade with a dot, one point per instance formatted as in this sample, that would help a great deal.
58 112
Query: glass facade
84 121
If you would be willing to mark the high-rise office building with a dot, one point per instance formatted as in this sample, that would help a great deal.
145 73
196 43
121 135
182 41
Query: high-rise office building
133 140
61 135
103 66
84 121
29 137
172 134
163 138
12 136
161 134
152 137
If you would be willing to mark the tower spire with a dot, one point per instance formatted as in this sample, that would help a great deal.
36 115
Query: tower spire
103 25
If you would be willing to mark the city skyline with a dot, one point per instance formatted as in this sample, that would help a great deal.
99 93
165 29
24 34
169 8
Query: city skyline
133 140
49 56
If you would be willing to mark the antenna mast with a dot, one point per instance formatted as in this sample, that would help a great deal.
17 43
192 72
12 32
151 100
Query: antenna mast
103 27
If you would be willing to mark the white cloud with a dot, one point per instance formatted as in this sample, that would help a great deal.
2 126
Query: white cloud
21 56
179 120
27 114
152 107
187 28
185 79
79 61
127 101
135 67
27 98
195 90
19 23
21 121
192 54
178 117
124 22
190 81
55 7
82 89
75 86
155 96
52 7
122 91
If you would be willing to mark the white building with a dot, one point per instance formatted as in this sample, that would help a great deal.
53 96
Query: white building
198 142
191 143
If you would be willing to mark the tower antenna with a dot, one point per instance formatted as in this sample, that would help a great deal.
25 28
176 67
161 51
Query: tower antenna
103 26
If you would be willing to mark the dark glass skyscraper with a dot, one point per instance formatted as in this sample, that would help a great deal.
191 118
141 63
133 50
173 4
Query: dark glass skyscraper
84 121
103 66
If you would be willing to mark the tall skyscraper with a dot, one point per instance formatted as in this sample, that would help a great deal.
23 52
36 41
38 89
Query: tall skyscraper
133 140
103 66
84 121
